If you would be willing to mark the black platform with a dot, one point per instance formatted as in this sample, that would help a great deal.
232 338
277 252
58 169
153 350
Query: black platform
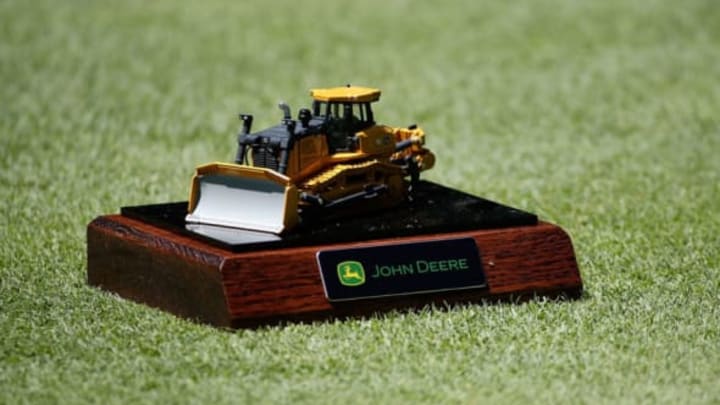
433 209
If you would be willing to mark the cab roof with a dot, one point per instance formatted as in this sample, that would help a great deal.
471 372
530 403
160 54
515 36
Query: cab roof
351 94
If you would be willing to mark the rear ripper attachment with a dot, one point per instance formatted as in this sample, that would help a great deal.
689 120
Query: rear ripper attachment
334 157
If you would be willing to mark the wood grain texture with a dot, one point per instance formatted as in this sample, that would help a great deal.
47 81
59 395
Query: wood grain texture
154 267
195 280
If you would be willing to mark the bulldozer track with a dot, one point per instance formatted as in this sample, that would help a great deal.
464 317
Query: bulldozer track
331 174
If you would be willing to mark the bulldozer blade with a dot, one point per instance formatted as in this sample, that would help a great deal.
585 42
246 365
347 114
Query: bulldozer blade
244 197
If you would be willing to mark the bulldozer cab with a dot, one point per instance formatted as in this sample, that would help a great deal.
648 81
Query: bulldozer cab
346 110
342 121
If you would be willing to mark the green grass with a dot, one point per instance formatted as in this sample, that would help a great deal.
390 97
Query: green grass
599 116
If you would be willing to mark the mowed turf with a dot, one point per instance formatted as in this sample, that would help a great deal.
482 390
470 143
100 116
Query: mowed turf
599 116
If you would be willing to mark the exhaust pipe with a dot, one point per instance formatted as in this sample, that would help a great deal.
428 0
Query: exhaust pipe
247 120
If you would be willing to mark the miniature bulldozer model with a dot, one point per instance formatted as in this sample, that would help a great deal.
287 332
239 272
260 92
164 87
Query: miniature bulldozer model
333 158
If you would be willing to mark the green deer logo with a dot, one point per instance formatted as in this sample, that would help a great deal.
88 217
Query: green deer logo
351 273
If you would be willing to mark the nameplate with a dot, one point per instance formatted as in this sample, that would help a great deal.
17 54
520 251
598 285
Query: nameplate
400 269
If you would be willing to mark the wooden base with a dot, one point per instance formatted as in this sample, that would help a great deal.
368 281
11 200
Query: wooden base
197 280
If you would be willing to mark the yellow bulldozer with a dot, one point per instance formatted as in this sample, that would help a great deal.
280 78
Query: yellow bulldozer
333 158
